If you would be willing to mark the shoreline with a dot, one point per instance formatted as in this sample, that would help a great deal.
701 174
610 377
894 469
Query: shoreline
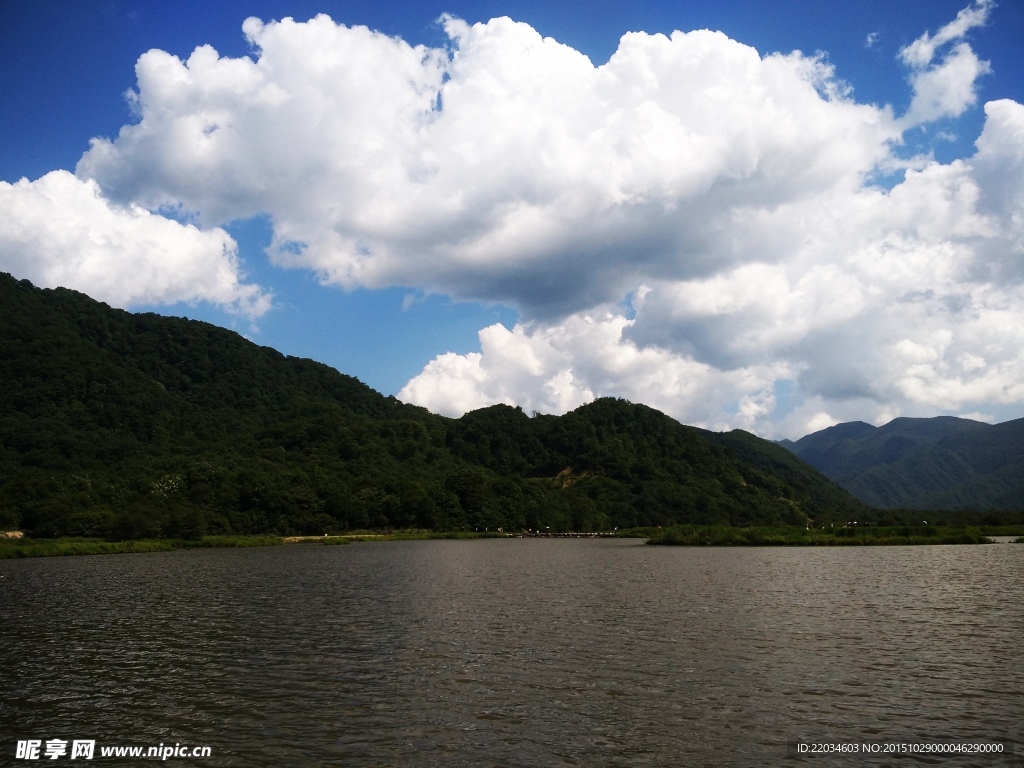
14 547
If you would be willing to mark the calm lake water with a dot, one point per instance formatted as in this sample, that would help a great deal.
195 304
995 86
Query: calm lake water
515 652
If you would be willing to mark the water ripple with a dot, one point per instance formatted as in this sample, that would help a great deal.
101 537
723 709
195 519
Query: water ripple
514 653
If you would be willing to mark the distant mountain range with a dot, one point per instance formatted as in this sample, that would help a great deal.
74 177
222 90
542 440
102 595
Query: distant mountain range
939 463
129 425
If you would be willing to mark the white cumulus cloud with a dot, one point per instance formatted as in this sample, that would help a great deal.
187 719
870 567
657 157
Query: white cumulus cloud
60 231
510 169
555 368
907 301
730 194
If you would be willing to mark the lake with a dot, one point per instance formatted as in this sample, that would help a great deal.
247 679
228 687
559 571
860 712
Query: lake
518 652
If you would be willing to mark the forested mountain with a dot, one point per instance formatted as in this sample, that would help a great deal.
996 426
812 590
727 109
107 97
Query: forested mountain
939 463
129 425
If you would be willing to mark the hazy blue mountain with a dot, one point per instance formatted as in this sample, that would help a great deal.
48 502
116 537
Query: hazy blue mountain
938 463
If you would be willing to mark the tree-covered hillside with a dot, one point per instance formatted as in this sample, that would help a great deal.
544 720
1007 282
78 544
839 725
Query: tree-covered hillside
130 425
938 463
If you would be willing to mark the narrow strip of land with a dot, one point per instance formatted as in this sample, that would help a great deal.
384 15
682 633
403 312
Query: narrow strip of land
12 546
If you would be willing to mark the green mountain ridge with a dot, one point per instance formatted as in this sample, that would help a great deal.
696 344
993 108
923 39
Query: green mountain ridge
942 463
128 425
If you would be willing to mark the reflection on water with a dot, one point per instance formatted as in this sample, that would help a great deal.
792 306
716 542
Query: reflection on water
514 653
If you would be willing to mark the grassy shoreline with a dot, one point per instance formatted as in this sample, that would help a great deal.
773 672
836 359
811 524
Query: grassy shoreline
11 548
26 547
725 536
684 535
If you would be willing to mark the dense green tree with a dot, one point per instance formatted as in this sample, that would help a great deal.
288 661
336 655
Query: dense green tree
128 425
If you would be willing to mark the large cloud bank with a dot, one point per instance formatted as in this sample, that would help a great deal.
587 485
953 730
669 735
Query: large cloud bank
691 225
874 303
513 170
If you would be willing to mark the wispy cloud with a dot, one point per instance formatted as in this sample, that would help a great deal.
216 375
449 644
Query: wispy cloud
921 52
946 88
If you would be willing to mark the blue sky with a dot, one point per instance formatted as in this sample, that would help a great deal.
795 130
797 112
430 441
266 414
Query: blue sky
618 300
